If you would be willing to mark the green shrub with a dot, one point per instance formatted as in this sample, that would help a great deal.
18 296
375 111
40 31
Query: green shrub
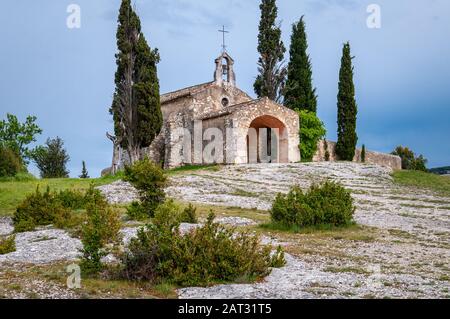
189 215
149 179
7 245
278 259
210 254
10 162
312 130
326 204
39 209
72 199
100 230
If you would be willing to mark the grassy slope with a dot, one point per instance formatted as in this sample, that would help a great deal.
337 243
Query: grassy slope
437 183
13 192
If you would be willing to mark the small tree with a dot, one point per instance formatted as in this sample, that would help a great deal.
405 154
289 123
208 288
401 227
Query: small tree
347 109
100 229
327 152
363 154
17 136
84 172
312 131
52 159
409 159
149 179
272 74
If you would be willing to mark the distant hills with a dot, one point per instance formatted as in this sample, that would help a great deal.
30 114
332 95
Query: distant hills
440 170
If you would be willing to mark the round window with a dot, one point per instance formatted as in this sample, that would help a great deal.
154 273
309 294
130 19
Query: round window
225 101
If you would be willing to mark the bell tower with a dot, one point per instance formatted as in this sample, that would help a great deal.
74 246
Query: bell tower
224 74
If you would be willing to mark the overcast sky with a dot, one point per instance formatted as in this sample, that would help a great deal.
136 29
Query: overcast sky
65 76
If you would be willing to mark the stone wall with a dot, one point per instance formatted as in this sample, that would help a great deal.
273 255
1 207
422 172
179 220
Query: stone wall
382 159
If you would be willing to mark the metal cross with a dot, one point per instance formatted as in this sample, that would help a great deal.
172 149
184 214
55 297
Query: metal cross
224 47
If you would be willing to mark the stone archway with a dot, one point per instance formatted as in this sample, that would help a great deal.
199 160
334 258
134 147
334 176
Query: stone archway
267 141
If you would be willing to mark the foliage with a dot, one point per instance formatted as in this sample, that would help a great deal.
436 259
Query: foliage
100 229
84 172
13 190
326 204
271 78
17 136
278 259
149 179
299 93
327 152
189 215
10 163
51 159
409 160
136 106
347 109
363 154
7 245
210 254
312 130
39 209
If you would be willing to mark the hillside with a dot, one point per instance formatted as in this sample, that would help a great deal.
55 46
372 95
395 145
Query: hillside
399 247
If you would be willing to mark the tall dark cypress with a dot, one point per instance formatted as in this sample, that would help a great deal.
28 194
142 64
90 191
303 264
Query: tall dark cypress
347 109
299 93
136 105
272 74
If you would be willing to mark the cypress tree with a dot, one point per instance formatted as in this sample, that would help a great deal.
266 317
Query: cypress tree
299 93
84 172
272 74
347 109
363 154
136 105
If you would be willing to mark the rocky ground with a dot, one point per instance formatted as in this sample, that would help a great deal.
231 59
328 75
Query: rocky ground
401 249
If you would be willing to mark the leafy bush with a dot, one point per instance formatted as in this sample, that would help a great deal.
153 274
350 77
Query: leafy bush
149 180
52 159
312 130
101 228
210 254
189 215
72 199
10 163
326 204
7 245
409 159
39 209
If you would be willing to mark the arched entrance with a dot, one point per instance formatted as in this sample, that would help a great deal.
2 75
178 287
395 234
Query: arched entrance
267 141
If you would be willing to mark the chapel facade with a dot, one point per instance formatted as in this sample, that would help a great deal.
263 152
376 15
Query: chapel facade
219 112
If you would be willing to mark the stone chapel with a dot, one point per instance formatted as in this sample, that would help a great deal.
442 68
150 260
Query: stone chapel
221 105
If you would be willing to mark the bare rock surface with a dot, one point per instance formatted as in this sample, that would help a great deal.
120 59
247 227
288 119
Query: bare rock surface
6 226
43 246
119 192
409 258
